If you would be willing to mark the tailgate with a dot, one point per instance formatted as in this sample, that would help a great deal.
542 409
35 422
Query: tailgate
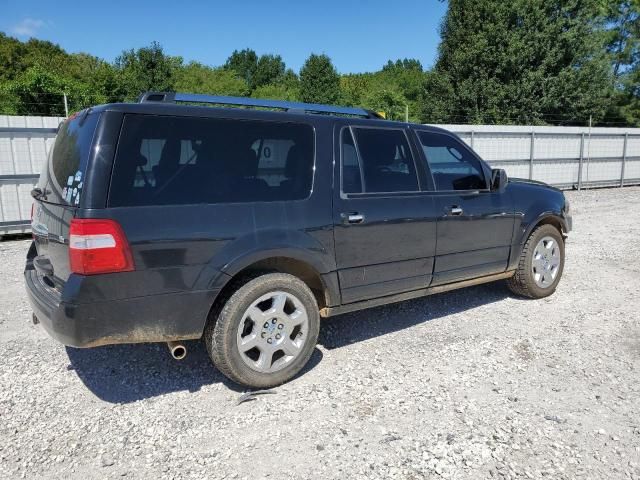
58 195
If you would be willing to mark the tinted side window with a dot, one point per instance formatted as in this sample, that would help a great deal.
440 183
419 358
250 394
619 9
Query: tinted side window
385 161
272 156
452 165
351 178
163 160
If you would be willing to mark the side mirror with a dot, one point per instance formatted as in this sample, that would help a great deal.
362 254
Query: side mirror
499 179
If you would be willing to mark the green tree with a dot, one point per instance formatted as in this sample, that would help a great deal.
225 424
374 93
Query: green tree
397 86
404 64
39 92
407 75
319 80
623 36
523 61
269 69
436 100
144 69
11 54
275 92
284 87
389 101
197 78
244 63
623 44
630 106
256 71
354 87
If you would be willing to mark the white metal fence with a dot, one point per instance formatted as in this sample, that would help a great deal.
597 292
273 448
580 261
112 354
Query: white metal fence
568 157
24 145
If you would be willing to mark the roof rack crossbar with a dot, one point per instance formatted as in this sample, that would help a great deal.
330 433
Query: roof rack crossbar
254 102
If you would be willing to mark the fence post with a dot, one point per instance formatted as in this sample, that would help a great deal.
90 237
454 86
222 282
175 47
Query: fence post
531 153
472 139
624 158
66 106
580 164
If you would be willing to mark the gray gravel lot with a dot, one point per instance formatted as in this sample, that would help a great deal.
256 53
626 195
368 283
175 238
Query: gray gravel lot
470 384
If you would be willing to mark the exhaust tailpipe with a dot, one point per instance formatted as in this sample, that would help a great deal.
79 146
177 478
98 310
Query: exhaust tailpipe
177 349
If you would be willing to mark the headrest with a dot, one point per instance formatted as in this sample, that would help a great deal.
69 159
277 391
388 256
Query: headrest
170 155
141 160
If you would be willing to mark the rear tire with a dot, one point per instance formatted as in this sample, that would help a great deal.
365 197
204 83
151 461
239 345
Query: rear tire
265 331
541 264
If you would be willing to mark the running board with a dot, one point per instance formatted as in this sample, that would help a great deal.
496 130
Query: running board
423 292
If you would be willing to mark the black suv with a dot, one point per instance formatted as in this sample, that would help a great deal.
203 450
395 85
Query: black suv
159 222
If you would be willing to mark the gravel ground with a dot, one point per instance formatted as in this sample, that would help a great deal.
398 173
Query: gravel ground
469 384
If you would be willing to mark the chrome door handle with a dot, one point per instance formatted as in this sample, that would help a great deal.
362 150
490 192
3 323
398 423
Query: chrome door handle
455 210
352 218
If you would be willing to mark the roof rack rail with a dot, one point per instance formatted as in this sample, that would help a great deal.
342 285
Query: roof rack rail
171 97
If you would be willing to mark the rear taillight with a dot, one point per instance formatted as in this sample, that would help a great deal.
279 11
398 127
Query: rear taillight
98 246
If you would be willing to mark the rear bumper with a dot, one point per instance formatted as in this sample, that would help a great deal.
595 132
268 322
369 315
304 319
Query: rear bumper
155 318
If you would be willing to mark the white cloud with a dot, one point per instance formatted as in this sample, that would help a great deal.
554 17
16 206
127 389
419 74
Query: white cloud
27 27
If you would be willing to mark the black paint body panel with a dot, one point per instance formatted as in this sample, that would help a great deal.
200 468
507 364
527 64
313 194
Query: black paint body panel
184 255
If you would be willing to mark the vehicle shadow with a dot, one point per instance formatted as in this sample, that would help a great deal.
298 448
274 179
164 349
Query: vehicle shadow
343 330
128 373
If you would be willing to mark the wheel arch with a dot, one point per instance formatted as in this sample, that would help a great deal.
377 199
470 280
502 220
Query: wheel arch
324 286
547 218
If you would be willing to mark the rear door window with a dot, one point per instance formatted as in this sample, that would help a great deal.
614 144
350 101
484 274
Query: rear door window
451 163
63 176
377 160
166 160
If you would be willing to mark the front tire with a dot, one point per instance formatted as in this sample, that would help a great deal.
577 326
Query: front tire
541 264
265 332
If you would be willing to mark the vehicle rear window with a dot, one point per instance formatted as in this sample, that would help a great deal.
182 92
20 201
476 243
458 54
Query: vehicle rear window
63 176
168 160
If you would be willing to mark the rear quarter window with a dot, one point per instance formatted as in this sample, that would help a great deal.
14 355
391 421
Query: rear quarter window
63 175
169 160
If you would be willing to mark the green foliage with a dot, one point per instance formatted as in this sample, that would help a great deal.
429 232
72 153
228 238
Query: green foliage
623 38
144 69
623 45
275 92
256 71
11 58
523 61
43 91
630 103
397 86
197 78
270 69
402 65
436 105
319 80
389 101
244 63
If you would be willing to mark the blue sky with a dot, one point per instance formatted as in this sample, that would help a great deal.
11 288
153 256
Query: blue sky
358 35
